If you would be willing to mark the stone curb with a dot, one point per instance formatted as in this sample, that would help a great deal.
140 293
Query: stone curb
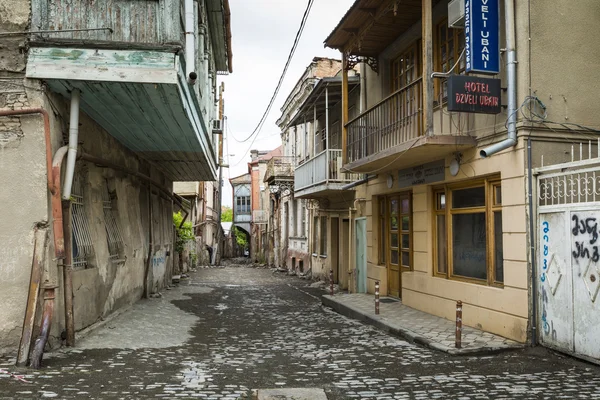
413 337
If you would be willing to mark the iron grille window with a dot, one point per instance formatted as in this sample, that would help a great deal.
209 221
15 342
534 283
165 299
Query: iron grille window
82 240
113 234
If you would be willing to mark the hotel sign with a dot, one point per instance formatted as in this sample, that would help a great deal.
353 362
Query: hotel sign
422 174
482 36
474 95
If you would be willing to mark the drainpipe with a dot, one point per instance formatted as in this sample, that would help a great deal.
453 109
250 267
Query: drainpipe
73 138
532 247
49 289
190 43
511 66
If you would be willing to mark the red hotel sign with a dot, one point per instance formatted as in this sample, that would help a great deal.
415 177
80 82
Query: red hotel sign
474 95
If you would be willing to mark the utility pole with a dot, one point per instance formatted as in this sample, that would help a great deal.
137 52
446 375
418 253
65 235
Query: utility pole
219 249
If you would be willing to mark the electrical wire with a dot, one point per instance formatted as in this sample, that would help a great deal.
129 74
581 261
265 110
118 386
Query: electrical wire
258 128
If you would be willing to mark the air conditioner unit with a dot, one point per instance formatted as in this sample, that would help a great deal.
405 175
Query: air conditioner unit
217 127
456 14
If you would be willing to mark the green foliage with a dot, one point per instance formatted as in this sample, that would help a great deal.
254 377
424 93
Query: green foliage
240 238
184 234
226 214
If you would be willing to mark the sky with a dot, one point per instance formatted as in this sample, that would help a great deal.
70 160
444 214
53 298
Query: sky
263 32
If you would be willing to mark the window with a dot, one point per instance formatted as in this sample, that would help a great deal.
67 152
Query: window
315 243
448 47
242 205
294 219
382 231
303 219
113 234
82 239
468 232
323 236
406 70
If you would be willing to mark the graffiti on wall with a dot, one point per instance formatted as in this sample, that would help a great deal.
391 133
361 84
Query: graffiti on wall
585 235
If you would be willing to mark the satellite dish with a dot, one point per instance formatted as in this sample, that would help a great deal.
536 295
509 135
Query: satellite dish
454 167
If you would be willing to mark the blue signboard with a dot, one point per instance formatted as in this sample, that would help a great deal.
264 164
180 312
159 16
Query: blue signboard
482 36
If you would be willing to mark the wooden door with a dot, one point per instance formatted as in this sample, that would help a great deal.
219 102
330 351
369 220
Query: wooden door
399 240
344 254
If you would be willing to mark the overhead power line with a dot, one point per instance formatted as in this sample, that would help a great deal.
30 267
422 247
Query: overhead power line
260 124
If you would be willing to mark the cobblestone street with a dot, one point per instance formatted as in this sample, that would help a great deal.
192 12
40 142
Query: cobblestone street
227 331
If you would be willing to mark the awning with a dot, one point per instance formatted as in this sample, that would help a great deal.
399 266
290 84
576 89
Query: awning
139 97
317 98
370 26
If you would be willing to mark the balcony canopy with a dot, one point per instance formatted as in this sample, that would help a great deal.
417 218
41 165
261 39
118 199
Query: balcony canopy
370 26
317 98
139 97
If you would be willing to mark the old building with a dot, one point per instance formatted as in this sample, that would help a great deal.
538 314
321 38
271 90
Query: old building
125 95
446 214
316 213
242 208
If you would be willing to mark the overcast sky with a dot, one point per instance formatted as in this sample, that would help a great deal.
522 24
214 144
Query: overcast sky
263 32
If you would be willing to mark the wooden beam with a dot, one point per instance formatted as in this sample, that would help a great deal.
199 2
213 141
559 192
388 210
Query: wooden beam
344 109
427 36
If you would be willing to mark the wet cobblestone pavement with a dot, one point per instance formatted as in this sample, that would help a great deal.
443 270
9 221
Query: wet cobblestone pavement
251 329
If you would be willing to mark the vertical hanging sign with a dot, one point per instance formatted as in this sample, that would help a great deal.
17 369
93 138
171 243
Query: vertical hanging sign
482 36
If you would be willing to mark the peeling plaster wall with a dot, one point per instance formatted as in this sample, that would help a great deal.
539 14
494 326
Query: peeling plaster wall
105 286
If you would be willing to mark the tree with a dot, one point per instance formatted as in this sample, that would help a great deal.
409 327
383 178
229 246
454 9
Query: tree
226 214
240 238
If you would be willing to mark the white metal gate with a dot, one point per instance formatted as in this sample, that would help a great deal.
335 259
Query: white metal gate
569 257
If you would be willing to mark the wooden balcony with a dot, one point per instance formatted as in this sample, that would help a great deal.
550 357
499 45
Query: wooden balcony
280 169
390 134
322 176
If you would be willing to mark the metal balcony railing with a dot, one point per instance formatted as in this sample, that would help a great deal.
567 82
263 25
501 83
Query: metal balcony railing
393 121
321 170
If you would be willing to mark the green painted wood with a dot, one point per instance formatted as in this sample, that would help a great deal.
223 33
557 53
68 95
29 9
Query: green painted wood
99 58
361 255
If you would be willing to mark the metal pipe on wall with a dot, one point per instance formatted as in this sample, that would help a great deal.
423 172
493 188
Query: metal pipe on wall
73 139
511 72
190 43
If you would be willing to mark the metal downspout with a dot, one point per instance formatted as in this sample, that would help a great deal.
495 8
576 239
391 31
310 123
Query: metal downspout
37 353
532 248
73 139
511 66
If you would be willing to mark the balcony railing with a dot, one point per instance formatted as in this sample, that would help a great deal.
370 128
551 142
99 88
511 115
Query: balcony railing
393 121
321 170
280 168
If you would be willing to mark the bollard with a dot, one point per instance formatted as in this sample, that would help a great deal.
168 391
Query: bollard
377 298
458 343
331 282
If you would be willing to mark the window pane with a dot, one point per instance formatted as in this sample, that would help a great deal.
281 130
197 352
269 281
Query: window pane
405 241
471 197
442 265
405 223
469 245
497 195
394 223
499 253
394 240
405 206
441 201
394 206
405 259
394 257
